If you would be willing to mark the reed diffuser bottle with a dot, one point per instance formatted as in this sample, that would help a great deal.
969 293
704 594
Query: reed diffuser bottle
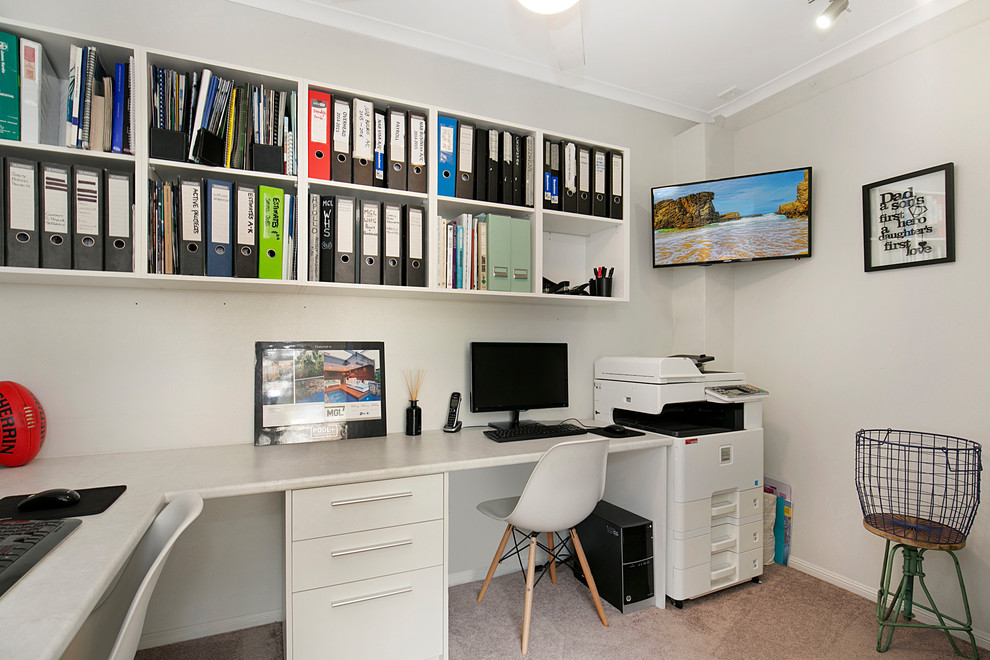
414 414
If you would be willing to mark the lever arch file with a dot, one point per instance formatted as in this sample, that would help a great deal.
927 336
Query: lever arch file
464 187
340 168
246 232
56 245
21 224
370 271
363 154
392 244
319 134
87 236
417 175
345 263
447 156
118 246
397 149
415 247
219 220
191 252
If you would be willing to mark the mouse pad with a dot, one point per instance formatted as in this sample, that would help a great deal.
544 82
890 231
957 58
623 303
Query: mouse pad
91 501
629 433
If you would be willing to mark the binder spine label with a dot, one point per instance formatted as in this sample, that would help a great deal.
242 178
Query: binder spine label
616 173
363 129
20 188
584 170
446 138
465 157
87 203
393 230
118 206
417 140
380 146
345 225
341 125
56 218
397 135
570 167
415 233
192 221
318 121
220 227
369 224
599 172
246 209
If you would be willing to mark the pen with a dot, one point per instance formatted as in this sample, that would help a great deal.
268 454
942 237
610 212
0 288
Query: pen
611 270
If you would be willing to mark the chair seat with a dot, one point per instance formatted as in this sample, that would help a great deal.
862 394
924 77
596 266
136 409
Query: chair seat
499 509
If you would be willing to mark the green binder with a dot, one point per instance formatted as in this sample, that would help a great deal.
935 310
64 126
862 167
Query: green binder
520 255
10 89
272 233
499 250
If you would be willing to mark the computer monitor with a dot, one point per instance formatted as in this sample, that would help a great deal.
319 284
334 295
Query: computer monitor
516 376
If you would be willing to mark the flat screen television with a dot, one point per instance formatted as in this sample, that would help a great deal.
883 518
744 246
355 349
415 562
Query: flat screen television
516 376
740 218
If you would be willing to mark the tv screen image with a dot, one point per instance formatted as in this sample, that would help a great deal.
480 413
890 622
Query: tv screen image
742 218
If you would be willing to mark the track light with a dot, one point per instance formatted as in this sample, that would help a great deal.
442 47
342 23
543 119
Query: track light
548 6
831 13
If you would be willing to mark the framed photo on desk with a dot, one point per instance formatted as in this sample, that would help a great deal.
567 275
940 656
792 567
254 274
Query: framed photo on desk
318 391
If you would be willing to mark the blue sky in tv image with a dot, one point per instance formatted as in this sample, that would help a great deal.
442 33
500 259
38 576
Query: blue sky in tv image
750 217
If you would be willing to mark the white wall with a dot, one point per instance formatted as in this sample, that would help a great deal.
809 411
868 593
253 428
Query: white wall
129 370
840 349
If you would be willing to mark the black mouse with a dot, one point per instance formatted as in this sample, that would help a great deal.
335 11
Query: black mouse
616 428
56 498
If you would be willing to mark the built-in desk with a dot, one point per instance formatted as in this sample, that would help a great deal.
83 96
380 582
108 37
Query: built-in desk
42 612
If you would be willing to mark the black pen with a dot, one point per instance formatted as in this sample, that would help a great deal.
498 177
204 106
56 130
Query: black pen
611 270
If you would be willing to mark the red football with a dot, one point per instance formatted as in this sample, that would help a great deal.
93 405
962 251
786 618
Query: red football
22 424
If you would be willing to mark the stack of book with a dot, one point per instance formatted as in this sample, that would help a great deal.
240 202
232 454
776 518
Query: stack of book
208 119
486 252
93 109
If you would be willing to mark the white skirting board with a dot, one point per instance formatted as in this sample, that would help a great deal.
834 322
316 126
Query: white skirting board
870 593
208 628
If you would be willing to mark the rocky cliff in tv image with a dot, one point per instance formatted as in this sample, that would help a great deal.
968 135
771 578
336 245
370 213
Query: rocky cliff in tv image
688 212
799 207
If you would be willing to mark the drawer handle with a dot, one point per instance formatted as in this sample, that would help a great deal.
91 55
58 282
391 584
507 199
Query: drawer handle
373 498
370 548
362 599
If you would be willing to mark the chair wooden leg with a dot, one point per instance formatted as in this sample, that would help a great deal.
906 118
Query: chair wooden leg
528 608
498 556
579 551
553 558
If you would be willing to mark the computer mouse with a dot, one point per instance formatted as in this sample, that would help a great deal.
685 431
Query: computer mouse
55 498
616 428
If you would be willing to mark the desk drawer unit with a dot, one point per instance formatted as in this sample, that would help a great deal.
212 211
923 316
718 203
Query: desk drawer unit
365 574
396 616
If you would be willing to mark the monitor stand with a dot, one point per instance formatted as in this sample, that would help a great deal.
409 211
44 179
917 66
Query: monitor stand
513 422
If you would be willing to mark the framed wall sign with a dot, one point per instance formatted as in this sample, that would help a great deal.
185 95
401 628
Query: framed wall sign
313 391
908 220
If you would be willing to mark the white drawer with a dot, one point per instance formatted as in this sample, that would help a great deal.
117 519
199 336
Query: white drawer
398 616
738 538
333 560
366 505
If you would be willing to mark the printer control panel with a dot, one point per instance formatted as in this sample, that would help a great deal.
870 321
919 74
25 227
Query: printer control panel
735 393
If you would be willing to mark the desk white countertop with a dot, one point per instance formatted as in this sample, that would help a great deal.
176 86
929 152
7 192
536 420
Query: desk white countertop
42 612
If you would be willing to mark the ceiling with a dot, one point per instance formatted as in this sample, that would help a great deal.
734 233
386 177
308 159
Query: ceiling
701 60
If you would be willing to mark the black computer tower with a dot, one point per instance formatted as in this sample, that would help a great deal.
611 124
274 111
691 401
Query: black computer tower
619 548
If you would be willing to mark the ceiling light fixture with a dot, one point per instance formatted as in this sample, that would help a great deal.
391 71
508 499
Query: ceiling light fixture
831 13
548 6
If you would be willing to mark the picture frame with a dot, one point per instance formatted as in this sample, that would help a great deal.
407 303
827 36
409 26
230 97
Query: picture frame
318 391
909 220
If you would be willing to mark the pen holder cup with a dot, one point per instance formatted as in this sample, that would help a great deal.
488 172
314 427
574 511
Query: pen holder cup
602 286
414 419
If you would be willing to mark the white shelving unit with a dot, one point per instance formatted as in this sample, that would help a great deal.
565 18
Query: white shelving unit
565 246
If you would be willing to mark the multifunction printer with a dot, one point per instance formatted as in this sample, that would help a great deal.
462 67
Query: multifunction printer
714 527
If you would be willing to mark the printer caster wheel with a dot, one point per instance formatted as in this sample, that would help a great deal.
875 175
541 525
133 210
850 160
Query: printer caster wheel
679 604
756 580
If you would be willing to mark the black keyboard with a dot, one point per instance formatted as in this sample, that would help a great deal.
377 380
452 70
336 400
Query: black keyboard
533 432
23 543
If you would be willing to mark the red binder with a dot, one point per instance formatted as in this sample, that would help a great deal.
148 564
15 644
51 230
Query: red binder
320 128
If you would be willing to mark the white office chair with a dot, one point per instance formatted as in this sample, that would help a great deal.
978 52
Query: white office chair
563 489
114 627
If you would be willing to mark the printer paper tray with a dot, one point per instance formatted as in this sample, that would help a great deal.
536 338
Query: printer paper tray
671 427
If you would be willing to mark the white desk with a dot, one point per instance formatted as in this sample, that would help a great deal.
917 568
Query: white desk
42 612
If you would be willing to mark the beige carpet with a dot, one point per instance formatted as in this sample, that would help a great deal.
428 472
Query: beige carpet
789 615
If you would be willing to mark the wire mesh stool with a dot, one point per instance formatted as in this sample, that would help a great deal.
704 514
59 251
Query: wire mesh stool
921 491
